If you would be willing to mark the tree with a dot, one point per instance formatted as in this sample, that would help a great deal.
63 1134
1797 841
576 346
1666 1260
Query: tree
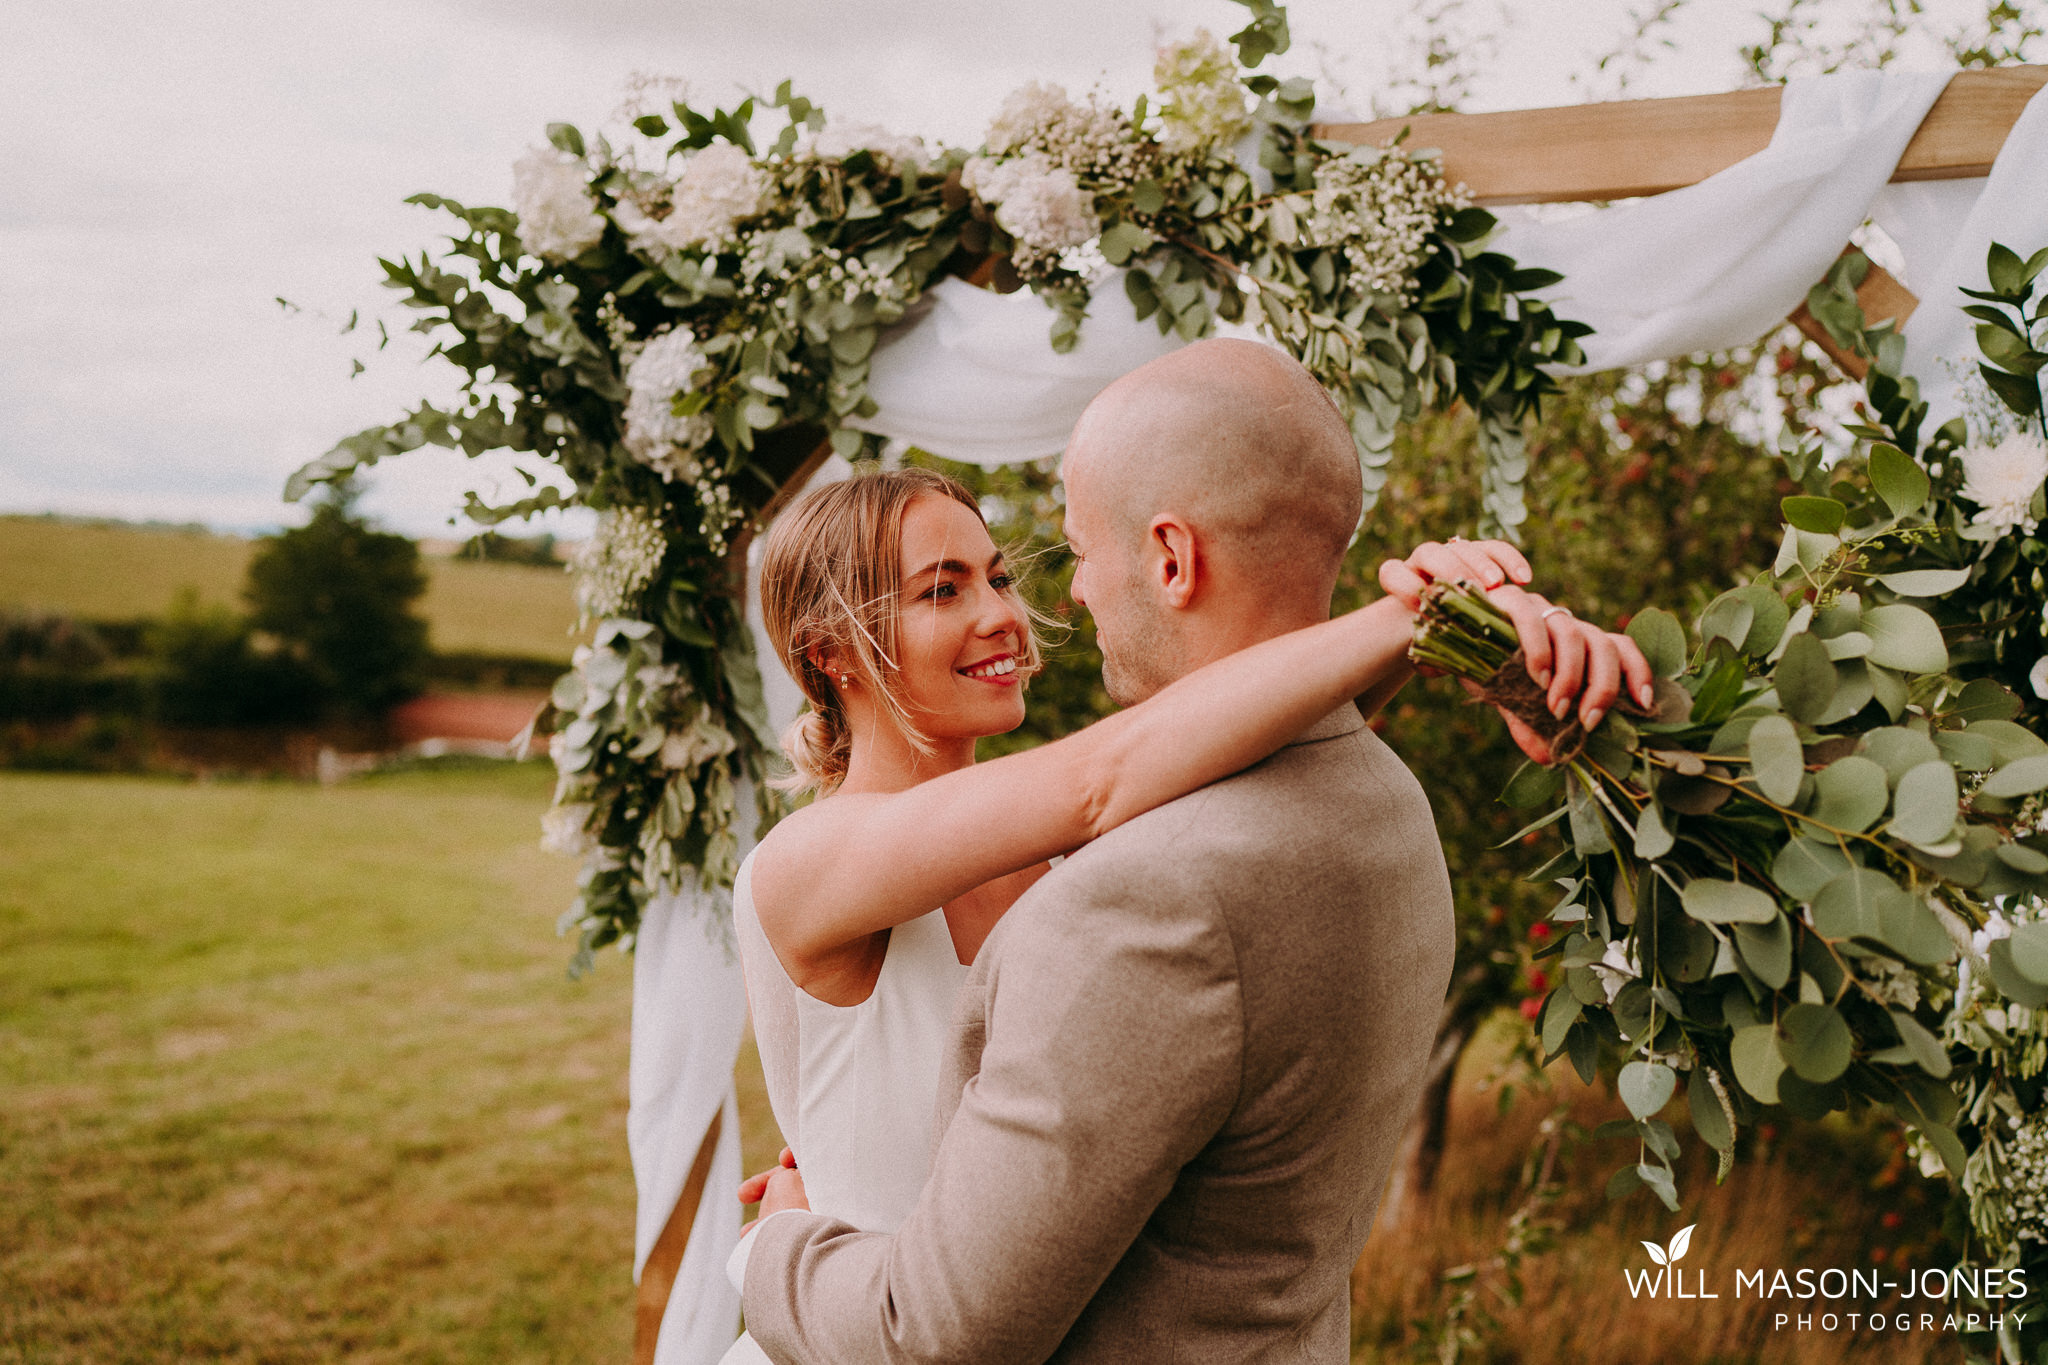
338 596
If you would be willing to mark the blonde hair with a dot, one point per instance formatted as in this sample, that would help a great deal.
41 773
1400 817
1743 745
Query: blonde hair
832 582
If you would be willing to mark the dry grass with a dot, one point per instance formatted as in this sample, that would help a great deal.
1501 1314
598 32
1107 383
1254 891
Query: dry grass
1815 1197
106 572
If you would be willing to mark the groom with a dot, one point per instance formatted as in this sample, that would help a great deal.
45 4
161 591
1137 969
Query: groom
1183 1062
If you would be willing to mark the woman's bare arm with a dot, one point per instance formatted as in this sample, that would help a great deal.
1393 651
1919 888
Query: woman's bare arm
847 867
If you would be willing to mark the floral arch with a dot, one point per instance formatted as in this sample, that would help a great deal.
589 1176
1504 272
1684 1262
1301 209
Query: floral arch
1805 882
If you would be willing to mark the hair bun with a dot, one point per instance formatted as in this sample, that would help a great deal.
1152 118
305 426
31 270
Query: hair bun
818 747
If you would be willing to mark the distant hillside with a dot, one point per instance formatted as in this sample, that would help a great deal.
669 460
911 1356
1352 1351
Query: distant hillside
112 571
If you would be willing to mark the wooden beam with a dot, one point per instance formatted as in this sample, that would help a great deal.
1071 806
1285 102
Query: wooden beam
1637 147
1882 297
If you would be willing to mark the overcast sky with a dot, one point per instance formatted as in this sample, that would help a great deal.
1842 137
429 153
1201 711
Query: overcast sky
177 165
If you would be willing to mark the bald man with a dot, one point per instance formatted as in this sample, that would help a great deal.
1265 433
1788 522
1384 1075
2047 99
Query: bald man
1184 1060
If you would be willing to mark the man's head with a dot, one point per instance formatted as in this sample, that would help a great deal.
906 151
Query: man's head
1210 495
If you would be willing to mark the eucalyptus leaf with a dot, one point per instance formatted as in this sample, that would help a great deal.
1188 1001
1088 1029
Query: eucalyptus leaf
1805 678
1776 759
1821 516
1924 808
1767 950
1905 638
1925 582
2021 777
1646 1087
1900 481
1815 1042
1754 1054
2029 948
1662 640
1709 1119
1925 1049
1851 793
1723 902
1653 838
1803 866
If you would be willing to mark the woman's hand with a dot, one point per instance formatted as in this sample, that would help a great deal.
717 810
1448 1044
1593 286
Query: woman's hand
755 1186
1484 563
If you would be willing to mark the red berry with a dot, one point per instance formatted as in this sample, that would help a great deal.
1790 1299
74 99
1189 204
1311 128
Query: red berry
1538 982
1539 931
1891 1218
1531 1007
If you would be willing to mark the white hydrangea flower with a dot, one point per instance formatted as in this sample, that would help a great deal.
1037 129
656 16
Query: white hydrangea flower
2037 677
668 365
566 829
558 220
840 140
1038 203
719 187
1205 103
617 564
2003 479
1026 112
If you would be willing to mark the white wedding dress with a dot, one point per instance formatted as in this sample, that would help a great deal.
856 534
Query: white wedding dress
853 1087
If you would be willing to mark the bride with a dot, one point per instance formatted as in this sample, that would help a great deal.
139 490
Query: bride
891 607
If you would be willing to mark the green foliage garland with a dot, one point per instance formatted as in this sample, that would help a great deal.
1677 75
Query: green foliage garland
1812 877
678 321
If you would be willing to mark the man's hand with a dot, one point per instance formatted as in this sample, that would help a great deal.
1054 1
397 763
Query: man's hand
785 1191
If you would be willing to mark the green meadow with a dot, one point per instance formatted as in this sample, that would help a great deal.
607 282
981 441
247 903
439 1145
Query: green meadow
104 571
295 1074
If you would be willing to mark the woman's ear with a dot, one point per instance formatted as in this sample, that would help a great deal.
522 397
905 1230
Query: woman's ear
832 663
1175 560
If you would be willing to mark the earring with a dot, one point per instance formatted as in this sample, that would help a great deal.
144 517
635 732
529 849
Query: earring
845 681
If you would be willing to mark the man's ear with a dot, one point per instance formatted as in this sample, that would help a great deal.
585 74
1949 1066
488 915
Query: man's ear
1175 560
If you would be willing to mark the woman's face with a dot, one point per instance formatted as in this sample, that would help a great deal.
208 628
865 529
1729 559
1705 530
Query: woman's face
961 629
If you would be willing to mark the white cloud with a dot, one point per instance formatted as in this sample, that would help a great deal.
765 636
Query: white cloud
176 164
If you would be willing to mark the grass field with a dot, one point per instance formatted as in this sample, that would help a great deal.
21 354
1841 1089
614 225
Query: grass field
294 1074
111 572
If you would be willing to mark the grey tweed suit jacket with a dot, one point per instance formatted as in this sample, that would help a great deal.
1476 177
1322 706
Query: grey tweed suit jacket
1182 1066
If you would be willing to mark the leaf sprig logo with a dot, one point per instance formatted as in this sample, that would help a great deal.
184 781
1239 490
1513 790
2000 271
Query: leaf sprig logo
1681 1241
1668 1281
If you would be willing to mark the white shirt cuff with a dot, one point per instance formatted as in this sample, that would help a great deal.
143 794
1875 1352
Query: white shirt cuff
736 1264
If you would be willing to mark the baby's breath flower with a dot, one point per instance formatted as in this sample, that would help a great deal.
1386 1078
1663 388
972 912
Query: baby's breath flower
1379 206
2026 1188
619 563
1094 141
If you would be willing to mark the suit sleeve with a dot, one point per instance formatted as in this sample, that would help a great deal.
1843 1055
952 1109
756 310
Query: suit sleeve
1115 1038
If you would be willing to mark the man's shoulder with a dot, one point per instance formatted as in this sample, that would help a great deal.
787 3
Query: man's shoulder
1326 800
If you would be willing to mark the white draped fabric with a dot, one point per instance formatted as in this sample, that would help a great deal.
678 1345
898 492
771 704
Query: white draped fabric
971 376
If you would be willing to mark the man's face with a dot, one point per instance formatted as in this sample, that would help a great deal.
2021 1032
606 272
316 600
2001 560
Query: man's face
1110 583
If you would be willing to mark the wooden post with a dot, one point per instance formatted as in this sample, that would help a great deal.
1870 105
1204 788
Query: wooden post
658 1276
